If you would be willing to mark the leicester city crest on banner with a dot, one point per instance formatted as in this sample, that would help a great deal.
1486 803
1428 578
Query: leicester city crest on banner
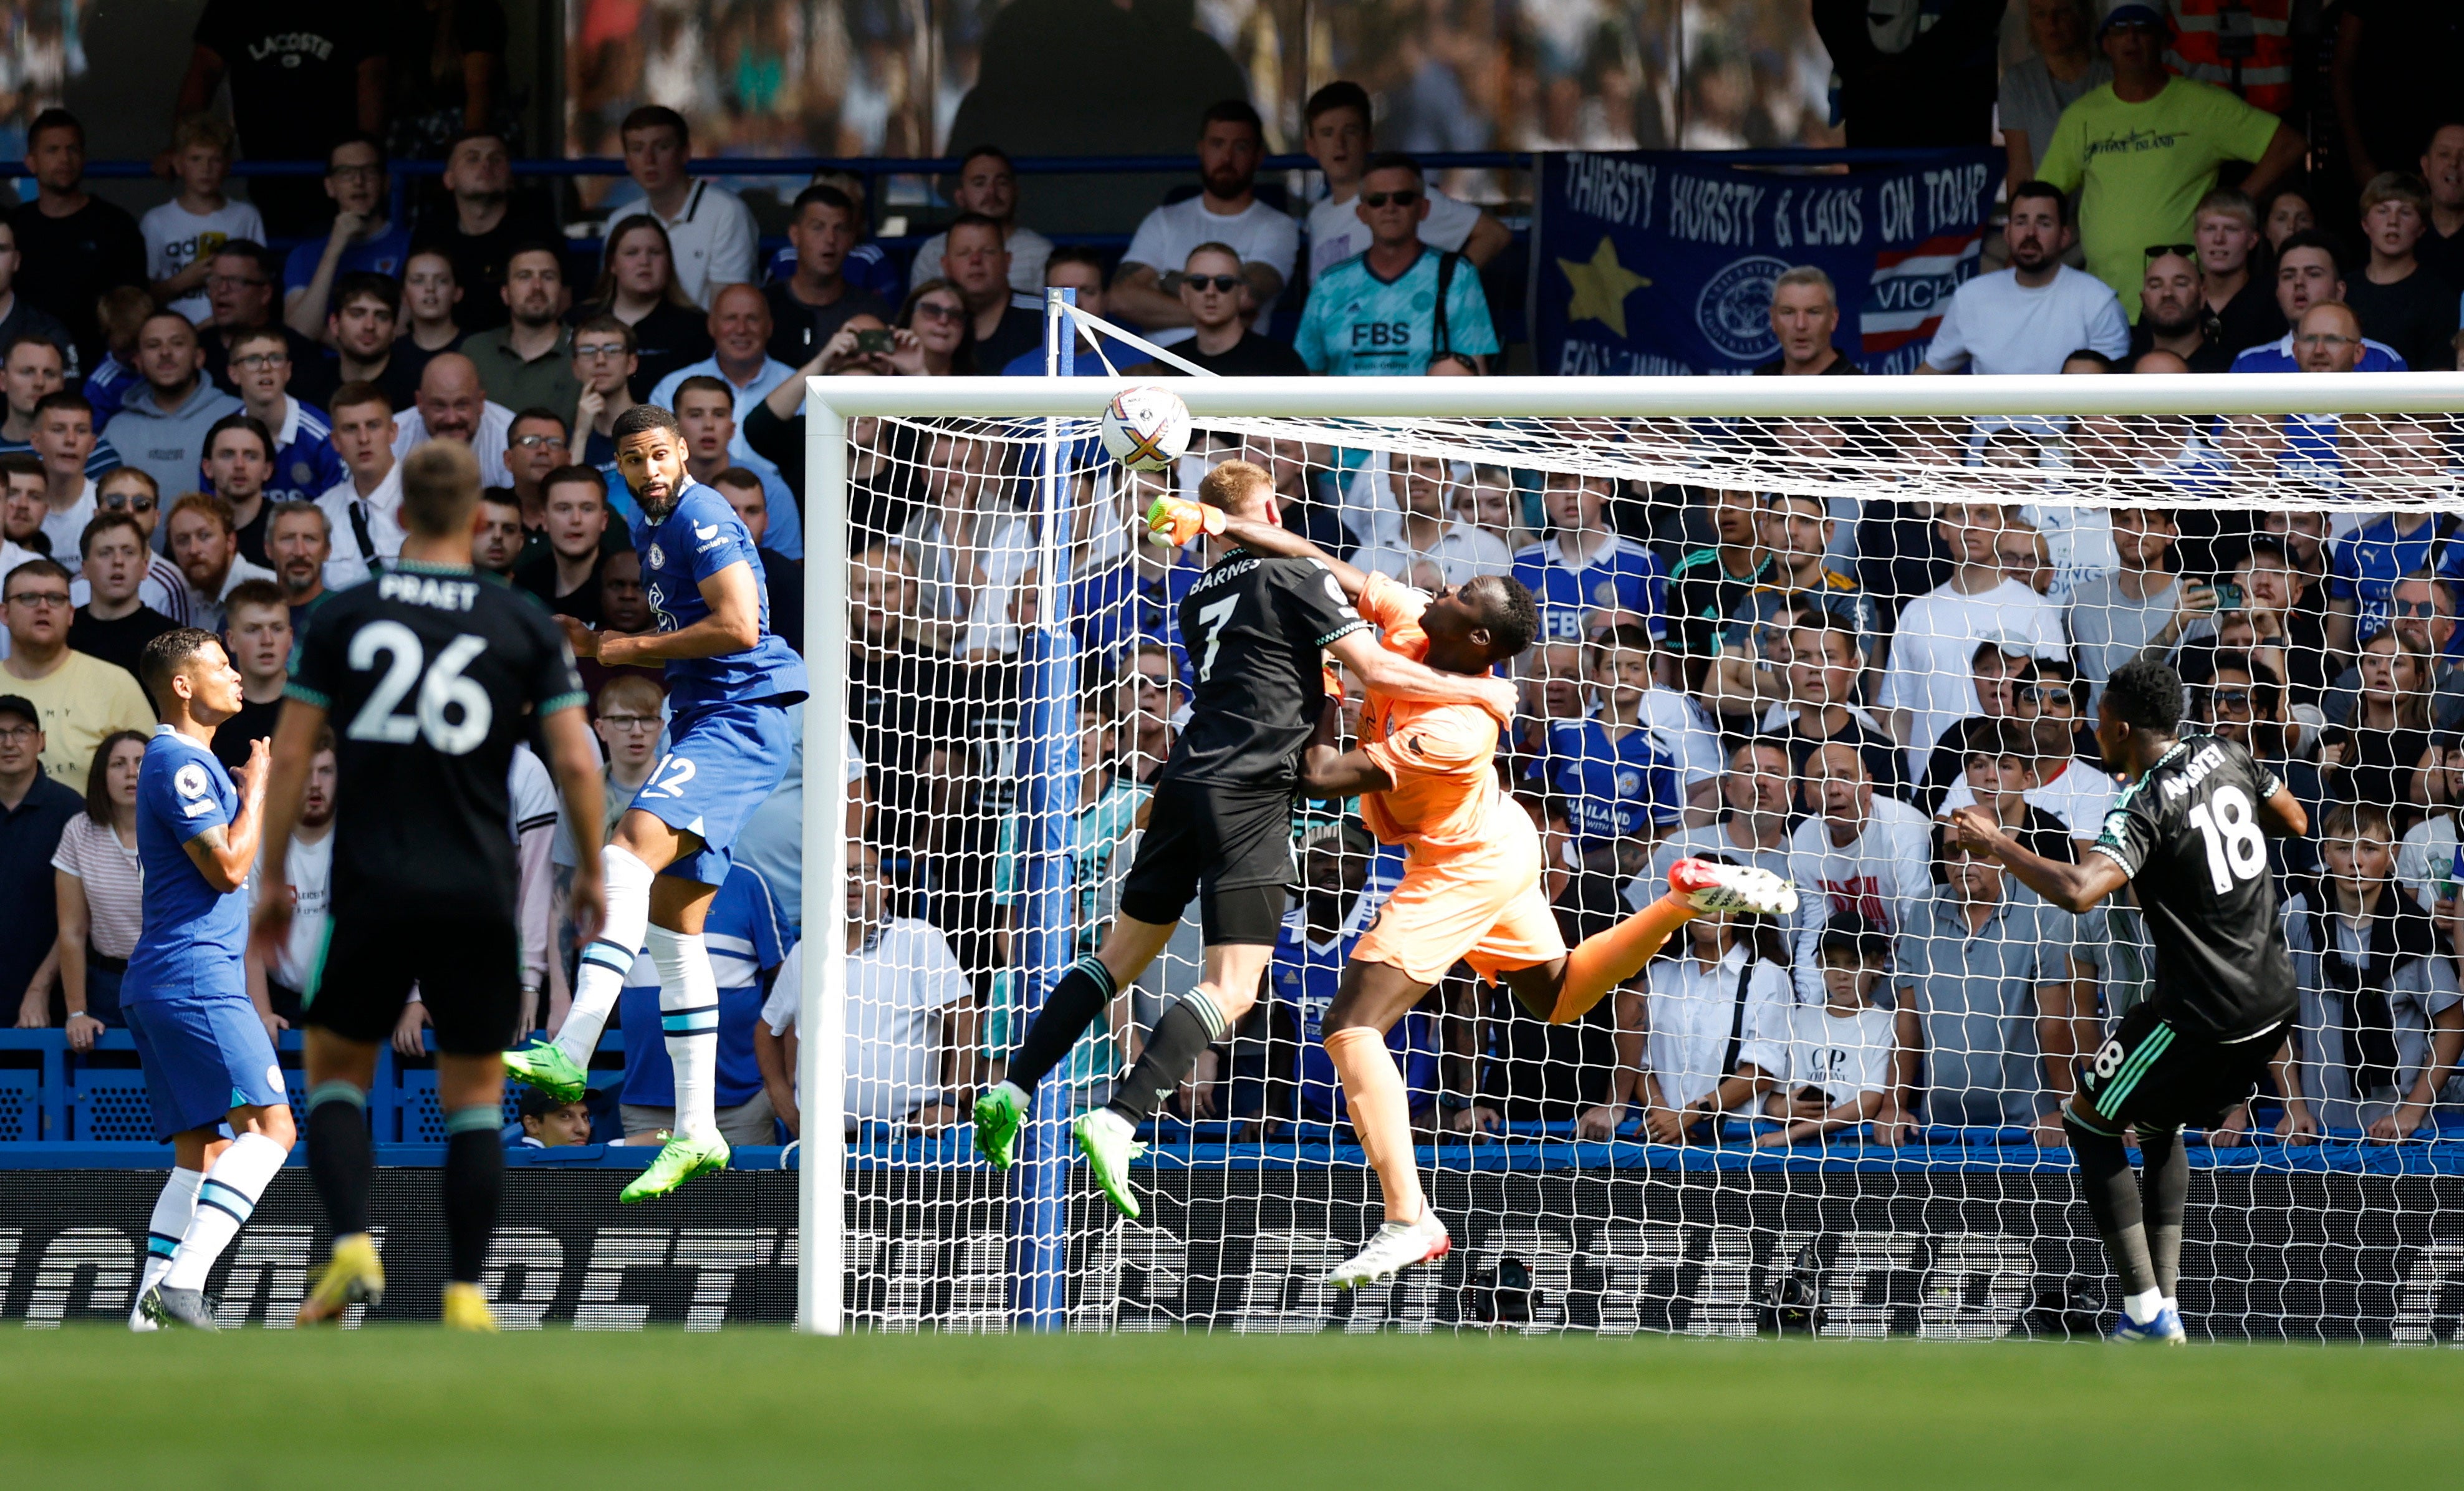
1733 311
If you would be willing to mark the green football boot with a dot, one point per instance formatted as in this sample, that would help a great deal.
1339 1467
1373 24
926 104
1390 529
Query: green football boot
544 1066
1000 1115
1109 1143
679 1161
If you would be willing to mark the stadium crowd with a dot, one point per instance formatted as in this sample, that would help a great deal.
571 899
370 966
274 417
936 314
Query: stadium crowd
202 428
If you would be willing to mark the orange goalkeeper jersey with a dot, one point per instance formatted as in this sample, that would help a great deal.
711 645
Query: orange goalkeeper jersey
1441 756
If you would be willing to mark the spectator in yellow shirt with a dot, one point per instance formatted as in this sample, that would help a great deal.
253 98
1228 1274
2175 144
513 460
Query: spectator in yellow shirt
2144 149
83 698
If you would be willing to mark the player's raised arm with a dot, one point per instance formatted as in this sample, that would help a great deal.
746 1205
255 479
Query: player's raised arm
1399 677
734 624
2077 889
224 853
1268 538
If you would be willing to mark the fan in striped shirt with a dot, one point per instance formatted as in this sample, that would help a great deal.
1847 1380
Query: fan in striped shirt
102 890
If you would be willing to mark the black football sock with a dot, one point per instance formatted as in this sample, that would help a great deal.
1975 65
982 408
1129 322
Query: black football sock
2165 1185
1181 1038
1077 1000
341 1159
474 1182
2112 1194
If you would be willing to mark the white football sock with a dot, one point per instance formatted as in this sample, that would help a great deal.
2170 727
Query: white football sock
2142 1307
172 1210
610 955
225 1198
688 1013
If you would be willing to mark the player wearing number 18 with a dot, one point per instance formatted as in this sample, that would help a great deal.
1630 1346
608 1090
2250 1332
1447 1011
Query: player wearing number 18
430 676
2189 835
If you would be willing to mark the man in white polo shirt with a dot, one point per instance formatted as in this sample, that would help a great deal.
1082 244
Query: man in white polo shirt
710 228
1338 135
2027 318
1147 291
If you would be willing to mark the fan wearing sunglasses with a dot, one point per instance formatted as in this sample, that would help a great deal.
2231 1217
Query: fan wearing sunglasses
2173 314
1400 305
127 490
1220 303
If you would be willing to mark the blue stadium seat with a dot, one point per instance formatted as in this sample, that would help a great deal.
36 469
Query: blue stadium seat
109 1105
421 1117
21 1106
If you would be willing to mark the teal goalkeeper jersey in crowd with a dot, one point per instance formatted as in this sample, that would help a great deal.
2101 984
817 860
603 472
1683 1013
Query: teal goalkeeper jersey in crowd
1358 324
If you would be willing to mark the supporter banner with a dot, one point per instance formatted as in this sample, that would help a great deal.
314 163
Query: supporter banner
1950 1254
1656 261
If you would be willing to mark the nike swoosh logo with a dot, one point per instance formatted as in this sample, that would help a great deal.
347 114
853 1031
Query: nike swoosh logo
711 531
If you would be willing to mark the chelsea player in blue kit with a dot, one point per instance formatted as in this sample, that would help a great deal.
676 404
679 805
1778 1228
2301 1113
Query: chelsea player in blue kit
207 1057
730 684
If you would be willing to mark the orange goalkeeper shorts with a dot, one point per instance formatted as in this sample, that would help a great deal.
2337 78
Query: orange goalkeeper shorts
1483 907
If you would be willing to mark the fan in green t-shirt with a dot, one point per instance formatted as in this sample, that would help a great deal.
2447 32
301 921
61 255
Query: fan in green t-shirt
2143 149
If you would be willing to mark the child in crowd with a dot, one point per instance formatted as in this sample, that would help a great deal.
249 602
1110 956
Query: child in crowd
2381 1025
1839 1069
182 234
1617 779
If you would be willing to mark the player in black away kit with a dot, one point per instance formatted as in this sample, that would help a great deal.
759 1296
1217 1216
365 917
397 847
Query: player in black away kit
2189 835
1254 627
430 676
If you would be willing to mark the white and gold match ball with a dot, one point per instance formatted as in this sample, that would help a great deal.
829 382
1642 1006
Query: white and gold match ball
1146 429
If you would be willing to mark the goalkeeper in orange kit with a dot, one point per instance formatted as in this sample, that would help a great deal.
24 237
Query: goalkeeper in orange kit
1427 779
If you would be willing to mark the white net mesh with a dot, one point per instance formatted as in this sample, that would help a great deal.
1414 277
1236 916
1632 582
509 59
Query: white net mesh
1794 642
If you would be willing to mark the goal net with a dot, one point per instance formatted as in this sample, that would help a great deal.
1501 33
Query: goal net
1789 622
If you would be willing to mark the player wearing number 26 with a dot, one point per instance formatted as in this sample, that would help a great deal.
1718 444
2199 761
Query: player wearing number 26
2189 835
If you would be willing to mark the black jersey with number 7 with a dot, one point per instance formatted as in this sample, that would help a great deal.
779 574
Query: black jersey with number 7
2188 833
430 678
1253 626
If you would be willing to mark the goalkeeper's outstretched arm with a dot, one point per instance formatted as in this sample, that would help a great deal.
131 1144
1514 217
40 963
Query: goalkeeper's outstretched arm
1275 538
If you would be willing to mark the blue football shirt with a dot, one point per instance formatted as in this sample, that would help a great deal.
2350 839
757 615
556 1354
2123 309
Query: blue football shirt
702 535
1356 323
2365 565
1613 789
194 936
1623 576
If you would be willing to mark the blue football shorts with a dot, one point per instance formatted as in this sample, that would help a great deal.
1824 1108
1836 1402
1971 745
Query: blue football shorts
723 762
204 1055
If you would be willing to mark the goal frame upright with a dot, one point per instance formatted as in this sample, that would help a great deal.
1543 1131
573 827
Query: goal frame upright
831 403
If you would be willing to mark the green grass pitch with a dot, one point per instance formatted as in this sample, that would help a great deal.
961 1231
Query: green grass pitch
755 1409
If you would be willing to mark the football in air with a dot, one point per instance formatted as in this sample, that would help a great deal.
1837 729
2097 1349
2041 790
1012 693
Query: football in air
1146 429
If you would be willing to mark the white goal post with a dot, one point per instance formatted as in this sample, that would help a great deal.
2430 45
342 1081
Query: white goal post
1649 429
